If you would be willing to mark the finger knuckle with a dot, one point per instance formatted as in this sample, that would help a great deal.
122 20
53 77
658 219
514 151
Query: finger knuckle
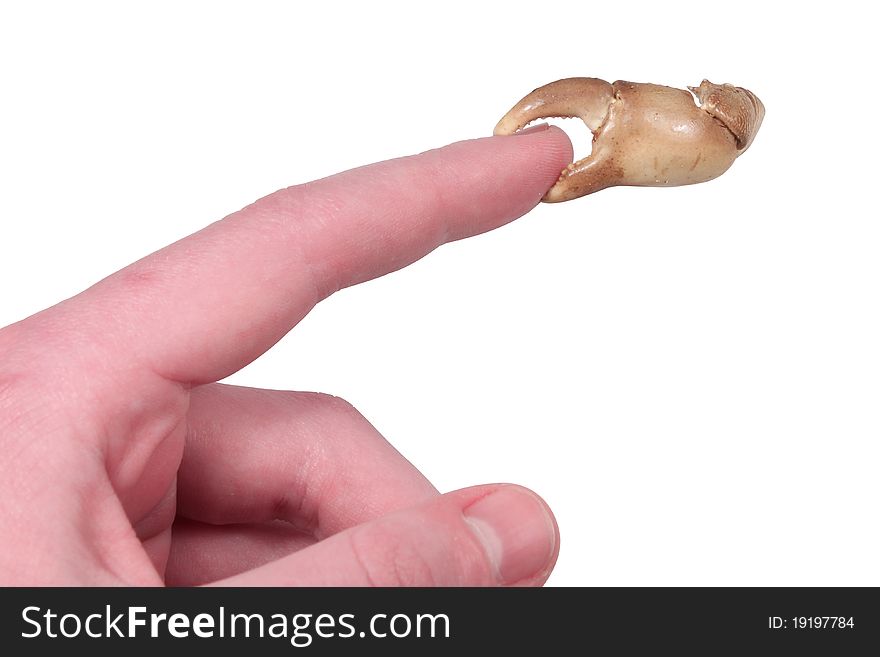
420 552
388 559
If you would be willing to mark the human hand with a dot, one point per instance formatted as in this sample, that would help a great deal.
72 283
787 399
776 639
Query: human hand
123 462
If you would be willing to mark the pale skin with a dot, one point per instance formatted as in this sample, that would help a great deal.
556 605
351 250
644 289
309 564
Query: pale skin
123 462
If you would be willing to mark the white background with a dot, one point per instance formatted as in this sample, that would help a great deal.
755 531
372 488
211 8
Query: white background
689 376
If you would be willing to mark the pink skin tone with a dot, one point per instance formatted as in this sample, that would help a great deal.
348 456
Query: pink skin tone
123 462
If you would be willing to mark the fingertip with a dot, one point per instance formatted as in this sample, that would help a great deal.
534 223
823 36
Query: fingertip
549 142
556 143
539 154
560 152
518 532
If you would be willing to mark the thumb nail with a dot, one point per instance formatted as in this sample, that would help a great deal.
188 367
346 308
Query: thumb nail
516 530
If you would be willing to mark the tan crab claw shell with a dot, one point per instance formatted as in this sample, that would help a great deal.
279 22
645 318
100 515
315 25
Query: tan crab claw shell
586 98
643 134
737 108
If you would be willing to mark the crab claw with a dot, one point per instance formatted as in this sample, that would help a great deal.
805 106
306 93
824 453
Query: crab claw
643 134
586 98
737 108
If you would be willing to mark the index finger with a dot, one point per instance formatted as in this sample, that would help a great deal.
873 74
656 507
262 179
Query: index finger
204 307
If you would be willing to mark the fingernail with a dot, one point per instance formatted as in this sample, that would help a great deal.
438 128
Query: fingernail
516 531
538 127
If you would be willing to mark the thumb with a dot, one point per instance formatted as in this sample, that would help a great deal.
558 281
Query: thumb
494 535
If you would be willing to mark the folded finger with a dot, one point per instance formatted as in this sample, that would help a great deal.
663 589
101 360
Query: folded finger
310 460
201 552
